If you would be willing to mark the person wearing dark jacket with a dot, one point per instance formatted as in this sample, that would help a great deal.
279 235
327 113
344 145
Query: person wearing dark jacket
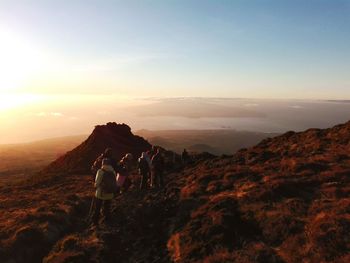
157 170
184 157
124 170
144 169
108 153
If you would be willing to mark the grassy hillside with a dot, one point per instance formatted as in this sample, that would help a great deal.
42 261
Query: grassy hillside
21 159
285 200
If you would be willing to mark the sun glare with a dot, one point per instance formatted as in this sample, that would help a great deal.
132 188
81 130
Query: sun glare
11 101
19 61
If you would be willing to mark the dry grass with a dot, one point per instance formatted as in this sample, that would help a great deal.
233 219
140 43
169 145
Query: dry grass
285 200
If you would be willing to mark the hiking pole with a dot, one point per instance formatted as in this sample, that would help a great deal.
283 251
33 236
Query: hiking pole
92 206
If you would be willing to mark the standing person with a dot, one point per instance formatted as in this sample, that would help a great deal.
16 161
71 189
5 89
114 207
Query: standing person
157 169
184 157
153 152
108 153
148 156
105 184
125 166
149 161
144 170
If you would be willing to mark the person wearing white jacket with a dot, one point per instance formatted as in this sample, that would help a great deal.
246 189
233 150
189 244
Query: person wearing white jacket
105 175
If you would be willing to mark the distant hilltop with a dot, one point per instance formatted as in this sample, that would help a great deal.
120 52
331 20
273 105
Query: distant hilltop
116 136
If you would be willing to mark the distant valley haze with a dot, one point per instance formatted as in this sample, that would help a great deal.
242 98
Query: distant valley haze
66 117
252 66
158 65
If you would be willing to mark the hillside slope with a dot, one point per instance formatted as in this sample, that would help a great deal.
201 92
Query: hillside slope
284 200
25 158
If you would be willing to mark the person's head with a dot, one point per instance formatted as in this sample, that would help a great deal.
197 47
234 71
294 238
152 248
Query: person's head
108 152
106 161
128 157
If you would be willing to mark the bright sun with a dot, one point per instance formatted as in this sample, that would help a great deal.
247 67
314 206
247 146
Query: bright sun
19 62
11 101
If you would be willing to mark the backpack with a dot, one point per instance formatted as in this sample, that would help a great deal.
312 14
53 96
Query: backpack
97 165
158 162
108 184
143 165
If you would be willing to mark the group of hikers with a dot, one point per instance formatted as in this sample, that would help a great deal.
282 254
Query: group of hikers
111 177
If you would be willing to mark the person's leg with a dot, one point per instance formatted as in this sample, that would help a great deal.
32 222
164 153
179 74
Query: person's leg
127 183
146 179
98 204
107 209
142 184
161 179
153 178
156 179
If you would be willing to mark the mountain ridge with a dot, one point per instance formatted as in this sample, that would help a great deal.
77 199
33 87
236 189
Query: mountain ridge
284 200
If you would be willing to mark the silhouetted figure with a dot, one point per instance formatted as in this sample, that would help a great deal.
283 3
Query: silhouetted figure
124 168
108 153
157 169
185 157
144 169
106 187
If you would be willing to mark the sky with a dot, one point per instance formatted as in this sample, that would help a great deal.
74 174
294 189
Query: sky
257 48
91 51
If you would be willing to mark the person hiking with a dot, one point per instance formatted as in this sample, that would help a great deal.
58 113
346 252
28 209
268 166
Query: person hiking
184 157
106 187
152 152
108 153
148 157
144 169
125 166
157 169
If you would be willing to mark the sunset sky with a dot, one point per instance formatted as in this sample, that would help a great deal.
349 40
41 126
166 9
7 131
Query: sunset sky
89 50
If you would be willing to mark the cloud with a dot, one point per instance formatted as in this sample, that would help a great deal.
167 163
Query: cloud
251 105
48 114
104 113
296 107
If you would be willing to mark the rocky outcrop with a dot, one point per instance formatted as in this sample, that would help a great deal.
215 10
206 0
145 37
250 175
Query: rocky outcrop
116 136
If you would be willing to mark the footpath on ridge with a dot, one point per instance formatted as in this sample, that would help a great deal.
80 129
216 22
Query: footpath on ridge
139 230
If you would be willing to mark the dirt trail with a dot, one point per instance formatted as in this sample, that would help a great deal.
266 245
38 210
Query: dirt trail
139 232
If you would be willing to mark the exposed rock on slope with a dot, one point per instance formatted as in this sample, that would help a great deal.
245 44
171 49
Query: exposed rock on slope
116 136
